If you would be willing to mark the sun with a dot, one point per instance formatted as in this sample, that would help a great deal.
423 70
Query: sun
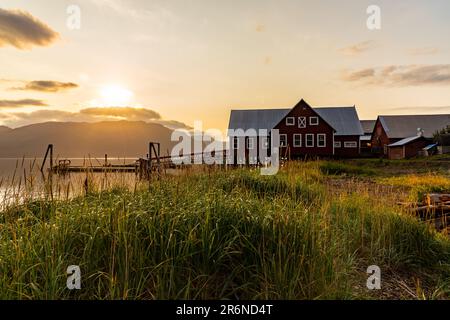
115 95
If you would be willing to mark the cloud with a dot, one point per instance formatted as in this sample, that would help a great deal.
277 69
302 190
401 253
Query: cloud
23 31
268 60
357 48
260 28
173 124
360 75
423 51
21 103
426 110
123 112
15 119
157 17
47 86
407 75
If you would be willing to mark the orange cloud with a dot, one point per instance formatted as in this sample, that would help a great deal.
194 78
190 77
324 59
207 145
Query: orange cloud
21 103
357 48
123 112
48 86
402 75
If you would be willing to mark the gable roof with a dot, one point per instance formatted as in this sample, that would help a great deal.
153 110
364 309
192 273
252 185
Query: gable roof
343 119
368 126
256 118
406 126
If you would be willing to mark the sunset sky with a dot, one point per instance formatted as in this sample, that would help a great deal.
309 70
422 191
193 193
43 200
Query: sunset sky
175 62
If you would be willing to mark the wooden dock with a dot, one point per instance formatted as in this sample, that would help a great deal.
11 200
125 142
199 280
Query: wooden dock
142 167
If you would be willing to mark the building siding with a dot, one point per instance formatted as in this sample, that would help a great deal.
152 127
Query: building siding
409 150
344 152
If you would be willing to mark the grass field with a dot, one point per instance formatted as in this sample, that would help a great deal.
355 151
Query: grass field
310 232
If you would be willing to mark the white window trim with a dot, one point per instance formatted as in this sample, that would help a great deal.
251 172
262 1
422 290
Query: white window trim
290 121
306 140
354 144
314 124
301 120
324 140
337 144
298 145
283 135
252 140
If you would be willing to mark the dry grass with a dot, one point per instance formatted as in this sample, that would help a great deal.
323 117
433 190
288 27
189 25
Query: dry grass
211 233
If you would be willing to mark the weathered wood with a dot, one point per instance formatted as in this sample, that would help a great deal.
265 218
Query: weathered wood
433 198
431 211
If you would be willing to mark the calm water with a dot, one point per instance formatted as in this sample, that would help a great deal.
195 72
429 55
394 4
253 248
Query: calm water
21 178
9 166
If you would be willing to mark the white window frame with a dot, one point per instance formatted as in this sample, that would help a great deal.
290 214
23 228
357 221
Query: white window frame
306 140
290 121
285 140
316 123
354 144
252 140
297 145
337 144
302 122
324 140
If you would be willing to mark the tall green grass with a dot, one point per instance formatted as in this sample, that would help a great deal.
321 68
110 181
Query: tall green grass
213 235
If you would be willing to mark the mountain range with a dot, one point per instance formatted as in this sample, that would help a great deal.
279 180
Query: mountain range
78 139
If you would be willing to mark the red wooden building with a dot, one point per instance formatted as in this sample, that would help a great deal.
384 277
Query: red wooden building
391 129
304 130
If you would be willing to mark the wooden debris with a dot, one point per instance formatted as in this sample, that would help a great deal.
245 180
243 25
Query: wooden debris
434 198
435 209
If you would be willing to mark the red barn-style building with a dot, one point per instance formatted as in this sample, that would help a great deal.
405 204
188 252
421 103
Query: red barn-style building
391 129
304 130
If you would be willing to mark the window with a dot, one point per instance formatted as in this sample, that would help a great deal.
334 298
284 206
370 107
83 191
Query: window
302 122
297 140
290 121
350 144
235 143
337 144
309 140
313 121
283 140
321 140
250 143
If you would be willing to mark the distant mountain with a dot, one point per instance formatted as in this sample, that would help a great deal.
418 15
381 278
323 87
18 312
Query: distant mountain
4 129
75 139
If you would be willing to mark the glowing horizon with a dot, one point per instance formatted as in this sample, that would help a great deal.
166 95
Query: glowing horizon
187 62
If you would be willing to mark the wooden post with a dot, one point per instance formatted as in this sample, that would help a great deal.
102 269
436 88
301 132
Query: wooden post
51 156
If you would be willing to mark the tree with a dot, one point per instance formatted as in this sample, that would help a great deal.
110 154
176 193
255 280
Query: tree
442 136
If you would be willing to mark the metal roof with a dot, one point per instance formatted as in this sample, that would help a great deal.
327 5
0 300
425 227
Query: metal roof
404 141
368 126
343 119
431 146
407 126
256 119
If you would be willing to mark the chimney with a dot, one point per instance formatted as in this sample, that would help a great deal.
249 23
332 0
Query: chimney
420 132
